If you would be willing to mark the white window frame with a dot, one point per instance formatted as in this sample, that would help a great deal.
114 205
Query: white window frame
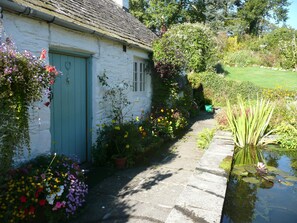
140 71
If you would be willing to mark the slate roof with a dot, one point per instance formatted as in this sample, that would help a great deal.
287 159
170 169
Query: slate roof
103 16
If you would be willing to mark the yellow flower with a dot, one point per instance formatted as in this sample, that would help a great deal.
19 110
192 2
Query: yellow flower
159 120
162 110
140 129
126 135
117 128
137 119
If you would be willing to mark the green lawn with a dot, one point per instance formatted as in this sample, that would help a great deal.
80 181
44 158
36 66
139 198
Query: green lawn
264 77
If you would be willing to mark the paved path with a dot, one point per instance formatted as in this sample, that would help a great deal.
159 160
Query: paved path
162 192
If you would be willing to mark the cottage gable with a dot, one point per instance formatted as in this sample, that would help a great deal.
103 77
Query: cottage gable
101 17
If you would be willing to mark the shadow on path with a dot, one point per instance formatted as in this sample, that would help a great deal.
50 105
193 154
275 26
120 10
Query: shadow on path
146 193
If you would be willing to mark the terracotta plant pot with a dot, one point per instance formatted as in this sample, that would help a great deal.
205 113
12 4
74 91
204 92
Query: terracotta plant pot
120 162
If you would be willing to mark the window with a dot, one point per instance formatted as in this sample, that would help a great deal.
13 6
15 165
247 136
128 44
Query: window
140 69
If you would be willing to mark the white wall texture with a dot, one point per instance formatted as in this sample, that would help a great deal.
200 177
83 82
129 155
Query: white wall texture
107 56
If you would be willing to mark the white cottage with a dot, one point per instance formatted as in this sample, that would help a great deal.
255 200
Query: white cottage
84 39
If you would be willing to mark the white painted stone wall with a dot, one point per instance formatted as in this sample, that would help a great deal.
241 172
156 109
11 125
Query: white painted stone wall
107 56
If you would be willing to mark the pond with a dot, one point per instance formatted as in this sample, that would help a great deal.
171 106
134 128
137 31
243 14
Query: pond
258 193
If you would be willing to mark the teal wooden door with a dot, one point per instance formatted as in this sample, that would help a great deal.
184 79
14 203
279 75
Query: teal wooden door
69 106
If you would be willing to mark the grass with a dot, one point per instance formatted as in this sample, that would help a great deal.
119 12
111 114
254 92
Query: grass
264 77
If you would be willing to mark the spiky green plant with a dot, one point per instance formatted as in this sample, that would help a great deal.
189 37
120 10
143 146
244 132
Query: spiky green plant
249 125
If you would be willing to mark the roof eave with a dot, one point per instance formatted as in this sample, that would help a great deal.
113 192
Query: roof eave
33 13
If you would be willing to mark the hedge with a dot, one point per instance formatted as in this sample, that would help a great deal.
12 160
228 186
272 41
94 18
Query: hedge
217 89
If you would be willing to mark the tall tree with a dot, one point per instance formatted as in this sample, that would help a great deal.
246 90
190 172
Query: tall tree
249 16
156 13
253 13
138 9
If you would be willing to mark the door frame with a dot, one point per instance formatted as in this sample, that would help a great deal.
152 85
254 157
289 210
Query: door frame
89 95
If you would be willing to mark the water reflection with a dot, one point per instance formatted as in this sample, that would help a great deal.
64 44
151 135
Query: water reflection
248 155
253 203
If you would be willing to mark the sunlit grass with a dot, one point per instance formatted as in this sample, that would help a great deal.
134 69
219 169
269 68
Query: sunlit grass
264 77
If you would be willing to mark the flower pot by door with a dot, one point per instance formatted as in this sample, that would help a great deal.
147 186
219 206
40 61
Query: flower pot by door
120 162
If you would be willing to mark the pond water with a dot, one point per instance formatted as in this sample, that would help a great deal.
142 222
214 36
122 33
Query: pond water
273 200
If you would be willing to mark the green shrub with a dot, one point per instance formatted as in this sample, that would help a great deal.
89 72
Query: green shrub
167 123
242 58
286 124
272 39
285 109
288 136
288 51
134 138
269 59
186 46
204 138
218 89
282 43
121 140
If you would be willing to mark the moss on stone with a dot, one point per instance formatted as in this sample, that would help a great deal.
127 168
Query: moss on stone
226 164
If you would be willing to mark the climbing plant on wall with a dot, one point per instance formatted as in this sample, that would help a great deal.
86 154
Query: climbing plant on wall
24 79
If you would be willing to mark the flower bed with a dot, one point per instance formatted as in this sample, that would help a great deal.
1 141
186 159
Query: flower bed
47 189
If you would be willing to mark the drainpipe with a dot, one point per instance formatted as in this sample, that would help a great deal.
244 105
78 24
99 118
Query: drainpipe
24 10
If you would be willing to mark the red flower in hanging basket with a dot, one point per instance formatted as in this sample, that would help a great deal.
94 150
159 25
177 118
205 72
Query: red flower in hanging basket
42 202
23 199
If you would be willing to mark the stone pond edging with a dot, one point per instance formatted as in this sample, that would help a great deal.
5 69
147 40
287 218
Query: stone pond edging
202 199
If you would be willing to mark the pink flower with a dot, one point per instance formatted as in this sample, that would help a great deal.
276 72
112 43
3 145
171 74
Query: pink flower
51 69
43 175
59 205
43 54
